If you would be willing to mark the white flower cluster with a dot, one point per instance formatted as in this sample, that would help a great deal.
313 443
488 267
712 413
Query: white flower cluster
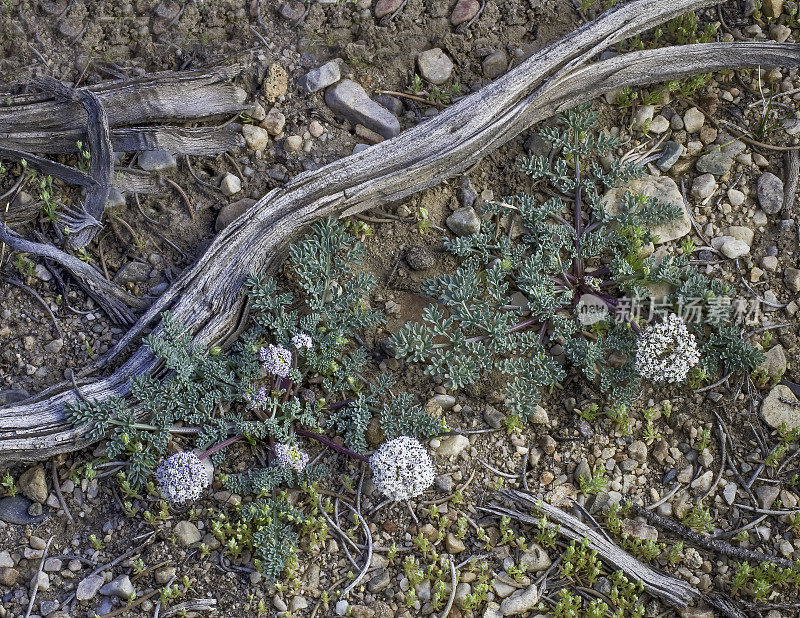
667 351
182 477
402 468
302 341
290 456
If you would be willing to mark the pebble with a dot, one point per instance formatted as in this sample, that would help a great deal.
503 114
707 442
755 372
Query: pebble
638 451
703 482
715 162
321 77
735 197
464 11
769 263
435 66
55 346
33 484
164 574
659 125
20 510
156 161
453 544
452 446
729 493
495 64
770 193
341 607
643 117
186 533
274 121
693 120
120 587
230 185
781 406
734 248
89 587
521 601
298 604
535 559
350 100
386 7
703 186
767 494
792 279
420 258
8 576
663 189
256 137
315 128
494 417
464 222
232 211
293 143
670 155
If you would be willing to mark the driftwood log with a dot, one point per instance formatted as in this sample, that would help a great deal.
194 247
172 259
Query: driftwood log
207 298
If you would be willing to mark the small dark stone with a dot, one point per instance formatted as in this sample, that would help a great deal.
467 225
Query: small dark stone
670 155
13 396
292 11
420 258
393 104
537 145
585 429
466 194
669 476
14 510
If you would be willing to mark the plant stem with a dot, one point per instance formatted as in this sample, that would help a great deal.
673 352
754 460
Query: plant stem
330 443
221 446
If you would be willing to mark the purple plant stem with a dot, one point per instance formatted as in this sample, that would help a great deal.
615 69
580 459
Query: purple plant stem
331 444
221 445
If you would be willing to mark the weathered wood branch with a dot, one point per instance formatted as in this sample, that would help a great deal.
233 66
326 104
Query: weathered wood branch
169 97
207 297
206 140
673 591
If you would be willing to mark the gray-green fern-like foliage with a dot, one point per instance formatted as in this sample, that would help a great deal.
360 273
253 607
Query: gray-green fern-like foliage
229 393
527 274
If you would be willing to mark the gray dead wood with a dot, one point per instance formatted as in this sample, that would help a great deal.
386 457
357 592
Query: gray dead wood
47 167
208 298
167 97
207 140
673 591
82 223
111 297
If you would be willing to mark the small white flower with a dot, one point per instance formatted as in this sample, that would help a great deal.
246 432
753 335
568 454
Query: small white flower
302 341
402 468
182 477
667 351
290 456
276 360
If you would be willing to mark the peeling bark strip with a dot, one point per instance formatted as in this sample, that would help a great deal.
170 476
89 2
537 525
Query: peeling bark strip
185 140
207 297
171 96
84 223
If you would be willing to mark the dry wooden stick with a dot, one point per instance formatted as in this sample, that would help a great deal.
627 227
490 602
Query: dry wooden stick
716 546
673 591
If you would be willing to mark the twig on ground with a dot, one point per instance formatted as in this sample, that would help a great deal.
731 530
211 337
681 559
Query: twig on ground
184 196
790 186
36 578
717 546
453 582
59 495
368 560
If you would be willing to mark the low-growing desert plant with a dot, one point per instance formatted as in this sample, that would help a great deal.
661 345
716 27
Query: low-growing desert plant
571 269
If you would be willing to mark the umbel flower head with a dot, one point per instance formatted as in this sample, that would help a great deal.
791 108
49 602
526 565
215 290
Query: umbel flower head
302 341
290 456
182 477
402 468
667 351
276 359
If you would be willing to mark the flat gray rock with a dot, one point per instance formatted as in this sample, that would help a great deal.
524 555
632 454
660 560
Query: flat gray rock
770 193
321 77
14 510
156 161
350 100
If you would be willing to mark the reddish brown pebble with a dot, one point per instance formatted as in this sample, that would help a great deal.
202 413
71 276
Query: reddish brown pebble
386 7
464 11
